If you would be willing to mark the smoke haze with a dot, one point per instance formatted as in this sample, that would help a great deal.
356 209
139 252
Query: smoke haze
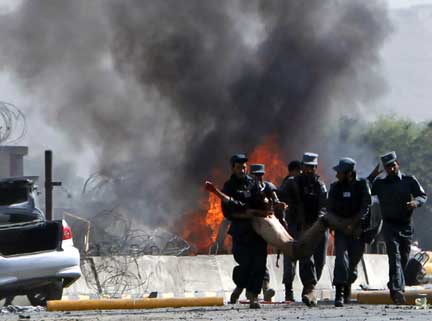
163 92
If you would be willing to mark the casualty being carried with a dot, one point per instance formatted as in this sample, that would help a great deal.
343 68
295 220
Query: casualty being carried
264 222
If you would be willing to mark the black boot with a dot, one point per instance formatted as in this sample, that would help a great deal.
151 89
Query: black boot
397 297
308 295
339 296
289 294
235 295
253 303
347 294
268 293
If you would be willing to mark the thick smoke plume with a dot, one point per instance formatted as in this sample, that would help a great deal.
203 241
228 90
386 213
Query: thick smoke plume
165 91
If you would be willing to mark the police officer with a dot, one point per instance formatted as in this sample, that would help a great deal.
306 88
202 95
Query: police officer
293 223
308 199
248 248
257 171
398 194
349 198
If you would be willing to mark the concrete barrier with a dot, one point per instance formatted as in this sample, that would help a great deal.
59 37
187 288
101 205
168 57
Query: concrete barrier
377 270
199 276
83 288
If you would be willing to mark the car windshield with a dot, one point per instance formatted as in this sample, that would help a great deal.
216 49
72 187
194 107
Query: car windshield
13 193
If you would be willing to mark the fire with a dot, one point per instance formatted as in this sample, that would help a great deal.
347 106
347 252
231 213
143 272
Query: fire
269 154
201 227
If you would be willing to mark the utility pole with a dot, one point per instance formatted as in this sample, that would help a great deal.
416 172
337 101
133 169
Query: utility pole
49 184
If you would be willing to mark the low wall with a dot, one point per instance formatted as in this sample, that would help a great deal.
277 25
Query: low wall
197 276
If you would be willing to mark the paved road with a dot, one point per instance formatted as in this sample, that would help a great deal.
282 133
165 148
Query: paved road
237 312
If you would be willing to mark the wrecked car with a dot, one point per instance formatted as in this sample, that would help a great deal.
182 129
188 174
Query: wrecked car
37 257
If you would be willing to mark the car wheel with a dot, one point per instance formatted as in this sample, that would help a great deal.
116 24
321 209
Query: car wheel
41 296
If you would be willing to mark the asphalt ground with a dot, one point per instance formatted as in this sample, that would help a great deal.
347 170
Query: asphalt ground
240 312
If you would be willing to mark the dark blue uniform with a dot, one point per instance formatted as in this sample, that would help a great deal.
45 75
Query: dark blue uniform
306 197
393 193
286 192
248 248
349 200
269 188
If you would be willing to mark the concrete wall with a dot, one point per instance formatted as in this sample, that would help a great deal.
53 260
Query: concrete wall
194 276
11 160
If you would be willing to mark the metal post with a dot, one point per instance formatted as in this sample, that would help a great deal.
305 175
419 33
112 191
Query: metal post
48 185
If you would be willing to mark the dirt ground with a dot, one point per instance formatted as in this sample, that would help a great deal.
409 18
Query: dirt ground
297 311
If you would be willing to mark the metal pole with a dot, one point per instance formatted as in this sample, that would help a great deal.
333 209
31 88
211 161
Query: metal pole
48 185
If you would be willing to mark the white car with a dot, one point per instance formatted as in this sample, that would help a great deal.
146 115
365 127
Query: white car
37 257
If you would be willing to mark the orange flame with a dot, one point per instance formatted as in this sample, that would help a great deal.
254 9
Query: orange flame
201 227
269 154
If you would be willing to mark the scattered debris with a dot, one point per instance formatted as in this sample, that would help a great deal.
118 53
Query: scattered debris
21 309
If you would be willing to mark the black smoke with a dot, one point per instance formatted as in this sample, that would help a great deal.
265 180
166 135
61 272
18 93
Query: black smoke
165 91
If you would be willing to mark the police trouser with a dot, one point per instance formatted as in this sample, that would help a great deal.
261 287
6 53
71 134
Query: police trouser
250 271
266 275
348 252
311 267
289 265
398 242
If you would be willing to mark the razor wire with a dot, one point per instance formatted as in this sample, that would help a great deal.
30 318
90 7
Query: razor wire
112 267
95 183
114 174
115 276
116 233
113 233
12 123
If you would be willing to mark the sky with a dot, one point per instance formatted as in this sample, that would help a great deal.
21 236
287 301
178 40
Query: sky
407 60
406 3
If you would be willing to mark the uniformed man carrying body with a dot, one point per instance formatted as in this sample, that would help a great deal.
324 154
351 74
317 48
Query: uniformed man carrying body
349 198
248 248
308 199
257 171
293 223
398 194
